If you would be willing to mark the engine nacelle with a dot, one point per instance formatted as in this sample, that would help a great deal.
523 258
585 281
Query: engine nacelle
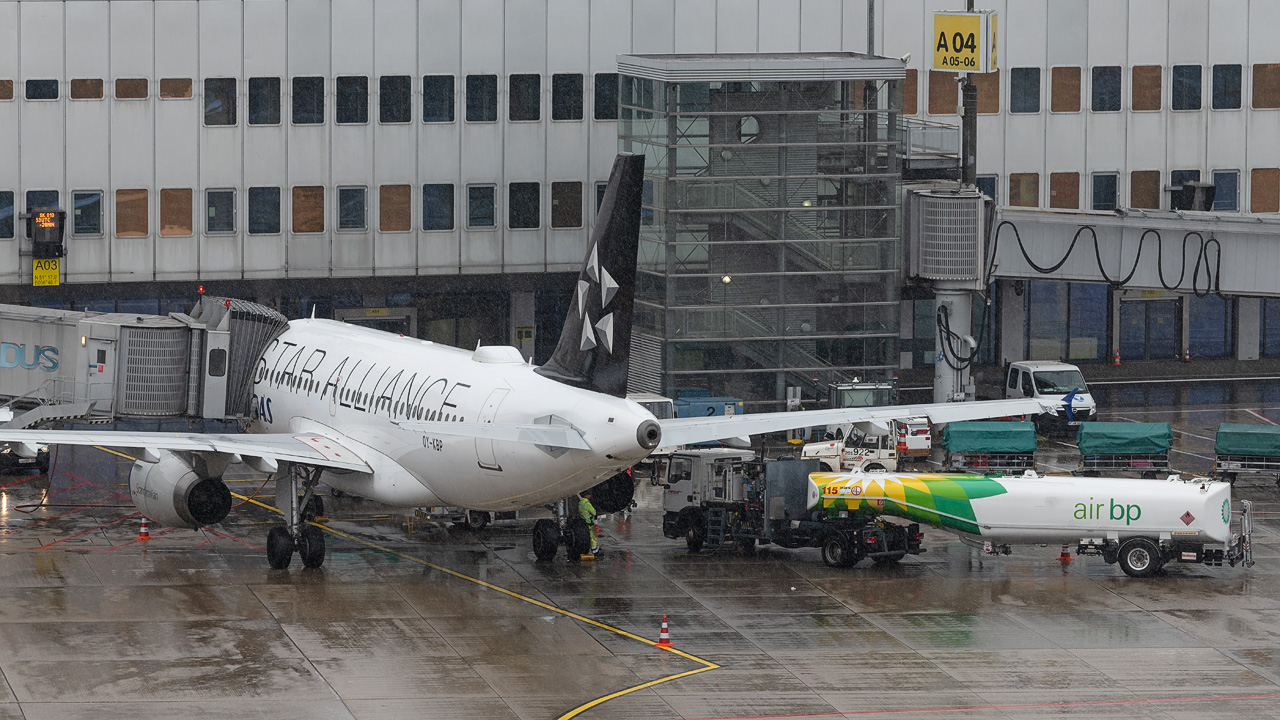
170 493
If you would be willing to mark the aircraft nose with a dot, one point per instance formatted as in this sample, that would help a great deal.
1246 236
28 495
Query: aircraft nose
649 434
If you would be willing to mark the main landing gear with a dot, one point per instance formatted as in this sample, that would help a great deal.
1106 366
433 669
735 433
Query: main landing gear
296 498
571 531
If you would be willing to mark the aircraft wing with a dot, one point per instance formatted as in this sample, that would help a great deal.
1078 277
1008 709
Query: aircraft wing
683 431
276 447
561 436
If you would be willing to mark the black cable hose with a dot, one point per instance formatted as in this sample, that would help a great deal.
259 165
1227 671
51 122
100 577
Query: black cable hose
1213 276
962 361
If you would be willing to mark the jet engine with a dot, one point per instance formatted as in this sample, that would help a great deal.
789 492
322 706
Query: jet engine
614 495
172 493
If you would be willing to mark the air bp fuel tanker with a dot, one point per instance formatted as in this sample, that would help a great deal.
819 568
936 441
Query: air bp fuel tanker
1142 524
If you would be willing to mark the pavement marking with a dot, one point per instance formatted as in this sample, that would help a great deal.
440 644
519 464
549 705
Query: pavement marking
706 664
1261 417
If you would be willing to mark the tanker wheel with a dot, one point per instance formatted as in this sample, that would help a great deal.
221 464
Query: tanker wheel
695 532
311 546
824 467
874 467
1140 558
579 539
546 539
748 546
279 548
836 551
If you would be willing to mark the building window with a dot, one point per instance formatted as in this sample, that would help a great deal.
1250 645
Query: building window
1226 87
601 188
87 89
308 209
1264 190
1064 93
264 101
1186 87
482 98
566 204
42 89
606 96
6 213
481 212
1024 90
1024 190
220 101
437 207
220 211
1270 326
1210 326
1106 88
437 98
41 199
395 99
1266 86
175 212
989 185
175 88
351 208
86 213
988 85
1064 190
130 88
264 210
1178 177
1226 190
131 213
1105 187
524 97
523 201
308 102
943 93
6 89
566 97
1144 189
353 100
394 208
1146 87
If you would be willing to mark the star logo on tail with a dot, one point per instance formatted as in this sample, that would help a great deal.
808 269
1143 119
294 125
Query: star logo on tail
596 333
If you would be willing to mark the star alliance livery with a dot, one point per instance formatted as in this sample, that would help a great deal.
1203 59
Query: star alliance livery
410 423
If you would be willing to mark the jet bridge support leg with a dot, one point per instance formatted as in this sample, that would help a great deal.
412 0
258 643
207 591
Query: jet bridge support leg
296 499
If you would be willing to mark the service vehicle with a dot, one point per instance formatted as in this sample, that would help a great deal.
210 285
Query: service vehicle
855 451
718 495
989 448
1111 447
1140 524
1241 449
1043 379
858 393
915 437
662 408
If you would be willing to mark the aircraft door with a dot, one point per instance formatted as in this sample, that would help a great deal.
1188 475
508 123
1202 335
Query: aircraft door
485 456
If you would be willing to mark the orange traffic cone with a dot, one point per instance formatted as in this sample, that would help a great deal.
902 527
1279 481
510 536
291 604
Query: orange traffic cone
142 532
1065 557
1186 356
664 637
1117 361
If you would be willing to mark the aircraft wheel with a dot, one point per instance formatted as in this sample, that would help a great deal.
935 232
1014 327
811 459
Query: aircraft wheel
1140 557
579 538
314 508
836 551
477 520
279 548
311 546
695 531
546 539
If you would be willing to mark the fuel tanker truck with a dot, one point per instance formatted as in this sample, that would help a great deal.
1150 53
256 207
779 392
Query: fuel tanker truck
1141 524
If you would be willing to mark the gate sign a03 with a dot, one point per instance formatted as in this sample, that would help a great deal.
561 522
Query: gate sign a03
965 41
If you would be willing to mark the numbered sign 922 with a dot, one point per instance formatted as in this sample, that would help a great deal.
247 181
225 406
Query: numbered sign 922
964 41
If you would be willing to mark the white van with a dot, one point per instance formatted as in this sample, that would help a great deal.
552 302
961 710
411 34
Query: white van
914 437
1057 380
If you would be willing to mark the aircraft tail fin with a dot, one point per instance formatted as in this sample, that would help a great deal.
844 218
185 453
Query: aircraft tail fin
596 339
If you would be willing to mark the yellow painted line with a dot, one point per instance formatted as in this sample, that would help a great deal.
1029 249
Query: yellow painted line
706 664
113 452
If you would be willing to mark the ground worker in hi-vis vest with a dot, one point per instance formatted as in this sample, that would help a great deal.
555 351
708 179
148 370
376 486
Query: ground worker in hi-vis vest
588 513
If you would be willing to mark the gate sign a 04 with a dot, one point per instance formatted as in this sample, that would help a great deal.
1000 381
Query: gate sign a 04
965 41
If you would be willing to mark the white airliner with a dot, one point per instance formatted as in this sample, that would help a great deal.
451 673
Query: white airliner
410 423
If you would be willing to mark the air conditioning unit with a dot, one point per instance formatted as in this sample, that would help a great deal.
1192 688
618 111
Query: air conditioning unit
946 236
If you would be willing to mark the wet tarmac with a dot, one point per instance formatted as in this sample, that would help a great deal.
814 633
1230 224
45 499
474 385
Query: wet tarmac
447 623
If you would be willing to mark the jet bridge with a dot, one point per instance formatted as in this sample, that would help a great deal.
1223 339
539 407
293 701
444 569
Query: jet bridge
61 364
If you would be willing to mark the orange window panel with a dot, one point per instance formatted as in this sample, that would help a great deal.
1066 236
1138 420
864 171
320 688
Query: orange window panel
308 209
1065 90
988 92
1144 189
175 211
1264 190
1146 87
395 212
1266 86
910 93
943 93
1064 190
1024 190
131 213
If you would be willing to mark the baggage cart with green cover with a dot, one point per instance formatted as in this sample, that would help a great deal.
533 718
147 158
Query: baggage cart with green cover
989 447
1109 447
1246 450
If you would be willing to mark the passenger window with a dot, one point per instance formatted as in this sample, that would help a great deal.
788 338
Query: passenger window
217 362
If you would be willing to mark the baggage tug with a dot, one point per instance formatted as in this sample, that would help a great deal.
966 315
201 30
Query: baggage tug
1141 524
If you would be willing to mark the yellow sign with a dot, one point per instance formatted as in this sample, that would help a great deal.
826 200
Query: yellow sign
964 41
45 272
375 312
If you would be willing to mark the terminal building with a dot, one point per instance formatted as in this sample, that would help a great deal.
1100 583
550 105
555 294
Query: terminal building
432 167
